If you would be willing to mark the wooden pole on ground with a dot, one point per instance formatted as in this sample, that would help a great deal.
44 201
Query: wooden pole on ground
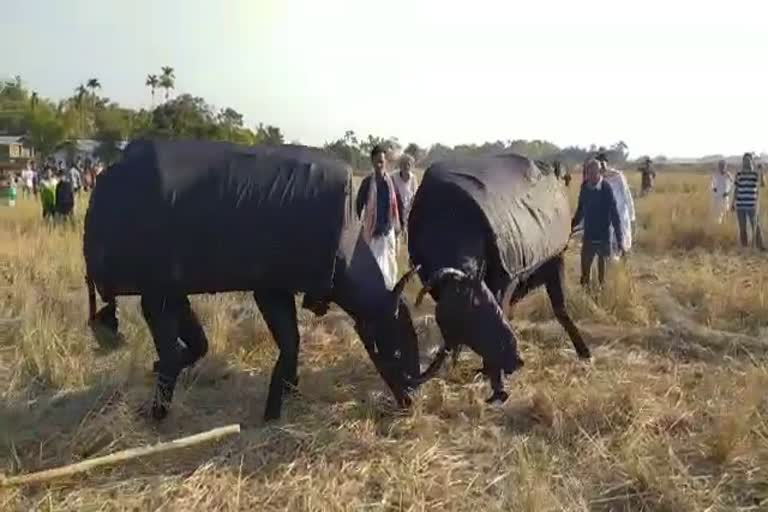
121 456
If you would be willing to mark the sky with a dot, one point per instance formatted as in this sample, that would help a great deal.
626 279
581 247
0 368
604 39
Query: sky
674 77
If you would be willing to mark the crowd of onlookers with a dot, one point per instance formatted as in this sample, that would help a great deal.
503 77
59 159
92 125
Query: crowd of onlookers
55 184
741 194
606 208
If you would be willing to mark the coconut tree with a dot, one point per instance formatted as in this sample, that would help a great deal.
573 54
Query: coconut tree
93 84
153 83
81 93
167 80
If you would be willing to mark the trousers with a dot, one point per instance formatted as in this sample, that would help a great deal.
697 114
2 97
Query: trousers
590 250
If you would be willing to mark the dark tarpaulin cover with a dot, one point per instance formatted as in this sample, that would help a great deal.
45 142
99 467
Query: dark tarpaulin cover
207 216
526 210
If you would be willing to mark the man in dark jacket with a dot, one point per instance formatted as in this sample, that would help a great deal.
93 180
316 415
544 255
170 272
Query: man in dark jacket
597 208
65 196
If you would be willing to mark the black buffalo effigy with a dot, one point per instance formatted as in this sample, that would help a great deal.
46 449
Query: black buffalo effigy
485 231
175 218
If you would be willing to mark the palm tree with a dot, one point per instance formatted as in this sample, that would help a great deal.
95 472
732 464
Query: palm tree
167 80
153 83
81 92
93 84
33 101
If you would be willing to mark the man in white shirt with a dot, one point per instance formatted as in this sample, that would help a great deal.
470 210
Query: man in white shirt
625 206
406 183
722 188
28 180
75 178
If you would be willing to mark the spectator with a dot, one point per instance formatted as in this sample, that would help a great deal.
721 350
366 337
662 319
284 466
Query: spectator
47 189
722 188
597 209
65 196
75 178
626 208
746 202
406 184
8 189
27 181
381 207
647 177
567 177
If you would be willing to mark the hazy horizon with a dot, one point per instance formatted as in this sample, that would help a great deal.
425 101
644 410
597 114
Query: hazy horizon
678 79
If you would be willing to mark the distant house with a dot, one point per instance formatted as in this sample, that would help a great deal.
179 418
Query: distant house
14 153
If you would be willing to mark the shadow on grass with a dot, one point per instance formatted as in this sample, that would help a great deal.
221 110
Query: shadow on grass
58 428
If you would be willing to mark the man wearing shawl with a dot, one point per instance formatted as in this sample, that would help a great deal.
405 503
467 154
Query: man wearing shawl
381 207
625 206
406 184
722 188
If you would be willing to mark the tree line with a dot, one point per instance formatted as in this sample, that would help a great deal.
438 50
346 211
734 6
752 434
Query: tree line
355 150
49 125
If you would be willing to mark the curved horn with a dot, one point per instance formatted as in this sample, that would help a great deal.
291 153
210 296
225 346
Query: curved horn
436 278
433 368
482 268
397 291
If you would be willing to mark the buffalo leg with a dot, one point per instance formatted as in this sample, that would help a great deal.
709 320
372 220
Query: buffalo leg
161 315
192 334
107 316
105 326
497 385
279 312
556 292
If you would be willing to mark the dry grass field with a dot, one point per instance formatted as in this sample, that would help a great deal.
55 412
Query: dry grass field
672 413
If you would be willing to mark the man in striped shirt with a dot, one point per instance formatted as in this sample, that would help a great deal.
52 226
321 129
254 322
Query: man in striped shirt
746 201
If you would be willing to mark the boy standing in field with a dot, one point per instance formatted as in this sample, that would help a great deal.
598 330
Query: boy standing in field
746 201
597 208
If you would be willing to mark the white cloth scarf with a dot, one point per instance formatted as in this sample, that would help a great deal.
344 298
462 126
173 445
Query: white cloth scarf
407 189
625 206
722 190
